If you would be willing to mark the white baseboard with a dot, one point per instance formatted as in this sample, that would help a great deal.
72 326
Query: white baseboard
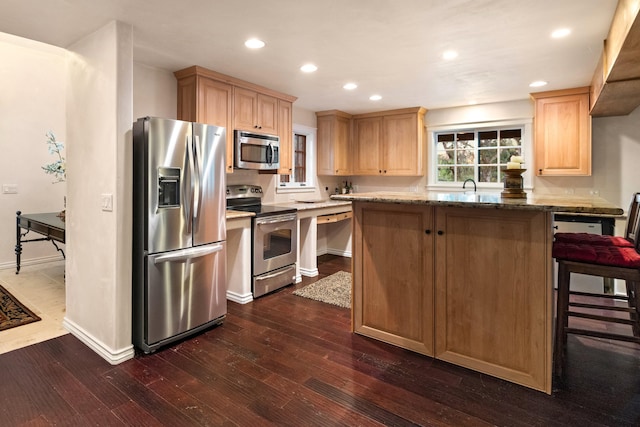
298 278
31 261
338 252
114 357
309 272
239 298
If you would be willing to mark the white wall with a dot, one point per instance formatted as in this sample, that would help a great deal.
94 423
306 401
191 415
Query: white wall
32 102
155 92
99 117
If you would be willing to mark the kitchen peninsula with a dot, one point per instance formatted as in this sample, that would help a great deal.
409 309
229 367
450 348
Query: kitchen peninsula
462 277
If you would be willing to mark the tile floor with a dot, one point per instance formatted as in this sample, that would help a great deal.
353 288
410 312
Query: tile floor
41 288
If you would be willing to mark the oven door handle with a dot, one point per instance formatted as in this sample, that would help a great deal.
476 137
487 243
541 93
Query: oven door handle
274 220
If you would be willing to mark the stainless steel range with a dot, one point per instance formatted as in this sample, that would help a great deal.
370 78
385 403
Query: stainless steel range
274 239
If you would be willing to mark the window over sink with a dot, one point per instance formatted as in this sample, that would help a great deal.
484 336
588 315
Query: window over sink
303 162
478 152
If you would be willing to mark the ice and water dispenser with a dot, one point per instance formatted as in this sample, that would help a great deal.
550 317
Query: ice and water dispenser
168 187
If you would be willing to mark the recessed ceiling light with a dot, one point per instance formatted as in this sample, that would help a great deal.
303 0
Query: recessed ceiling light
560 33
254 44
538 83
450 54
350 86
375 97
308 68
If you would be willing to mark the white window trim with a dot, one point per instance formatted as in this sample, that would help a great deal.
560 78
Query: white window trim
294 187
527 152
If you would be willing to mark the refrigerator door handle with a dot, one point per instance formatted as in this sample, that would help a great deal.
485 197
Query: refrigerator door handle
186 254
197 193
192 177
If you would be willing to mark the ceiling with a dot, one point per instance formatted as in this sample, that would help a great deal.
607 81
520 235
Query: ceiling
388 47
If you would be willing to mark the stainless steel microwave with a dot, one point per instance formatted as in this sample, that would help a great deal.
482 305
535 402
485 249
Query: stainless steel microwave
256 151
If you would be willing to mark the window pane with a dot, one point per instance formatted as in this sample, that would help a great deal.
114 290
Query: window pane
466 157
488 138
465 140
446 157
506 153
465 172
488 174
488 156
446 174
510 138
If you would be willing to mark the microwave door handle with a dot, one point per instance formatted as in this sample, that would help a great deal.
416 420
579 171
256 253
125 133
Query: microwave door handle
197 193
189 202
269 154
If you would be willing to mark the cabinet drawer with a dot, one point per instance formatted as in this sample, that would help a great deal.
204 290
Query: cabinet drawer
326 219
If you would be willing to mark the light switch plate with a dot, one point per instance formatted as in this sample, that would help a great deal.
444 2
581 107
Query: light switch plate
10 188
107 202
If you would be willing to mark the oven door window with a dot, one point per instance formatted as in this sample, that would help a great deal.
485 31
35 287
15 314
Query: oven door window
276 243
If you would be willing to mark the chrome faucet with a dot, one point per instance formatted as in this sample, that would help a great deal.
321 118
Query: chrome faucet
474 184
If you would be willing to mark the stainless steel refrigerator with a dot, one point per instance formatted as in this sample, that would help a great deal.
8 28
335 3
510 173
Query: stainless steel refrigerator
179 230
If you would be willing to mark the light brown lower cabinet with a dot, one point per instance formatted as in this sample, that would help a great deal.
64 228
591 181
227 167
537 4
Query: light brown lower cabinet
470 286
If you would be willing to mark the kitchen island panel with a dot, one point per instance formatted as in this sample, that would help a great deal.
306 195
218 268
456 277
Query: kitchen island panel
493 293
393 281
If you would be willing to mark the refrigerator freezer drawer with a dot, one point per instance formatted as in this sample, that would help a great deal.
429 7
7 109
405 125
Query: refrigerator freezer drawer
184 290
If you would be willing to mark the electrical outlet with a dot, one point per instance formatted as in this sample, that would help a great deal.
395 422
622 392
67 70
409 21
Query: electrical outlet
594 192
107 202
10 188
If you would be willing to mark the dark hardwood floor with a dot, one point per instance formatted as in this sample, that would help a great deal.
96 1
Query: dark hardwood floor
287 360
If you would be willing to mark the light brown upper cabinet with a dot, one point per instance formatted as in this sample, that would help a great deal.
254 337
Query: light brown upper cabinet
285 130
562 132
204 100
206 96
256 112
615 87
389 143
334 147
367 146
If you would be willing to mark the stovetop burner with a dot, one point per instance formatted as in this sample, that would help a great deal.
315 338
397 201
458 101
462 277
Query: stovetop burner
248 198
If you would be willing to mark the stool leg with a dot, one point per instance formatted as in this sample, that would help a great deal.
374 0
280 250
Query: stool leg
634 302
562 317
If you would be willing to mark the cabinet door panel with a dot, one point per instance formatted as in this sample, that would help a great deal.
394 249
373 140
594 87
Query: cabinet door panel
267 114
393 280
367 146
342 147
214 107
493 293
402 148
285 130
563 134
245 109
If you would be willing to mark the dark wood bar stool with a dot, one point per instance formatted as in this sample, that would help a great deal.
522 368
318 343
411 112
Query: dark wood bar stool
604 257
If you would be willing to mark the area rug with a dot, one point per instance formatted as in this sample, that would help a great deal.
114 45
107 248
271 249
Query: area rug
334 289
12 312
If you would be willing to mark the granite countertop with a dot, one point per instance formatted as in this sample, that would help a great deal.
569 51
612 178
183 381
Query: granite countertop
315 204
542 202
231 214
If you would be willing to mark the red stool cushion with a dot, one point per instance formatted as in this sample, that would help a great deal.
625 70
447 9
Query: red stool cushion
592 239
597 254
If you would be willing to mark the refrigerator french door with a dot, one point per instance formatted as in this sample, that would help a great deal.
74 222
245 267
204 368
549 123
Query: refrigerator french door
179 230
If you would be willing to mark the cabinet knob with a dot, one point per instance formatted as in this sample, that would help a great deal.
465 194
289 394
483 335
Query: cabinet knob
440 232
385 171
427 231
379 170
540 171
